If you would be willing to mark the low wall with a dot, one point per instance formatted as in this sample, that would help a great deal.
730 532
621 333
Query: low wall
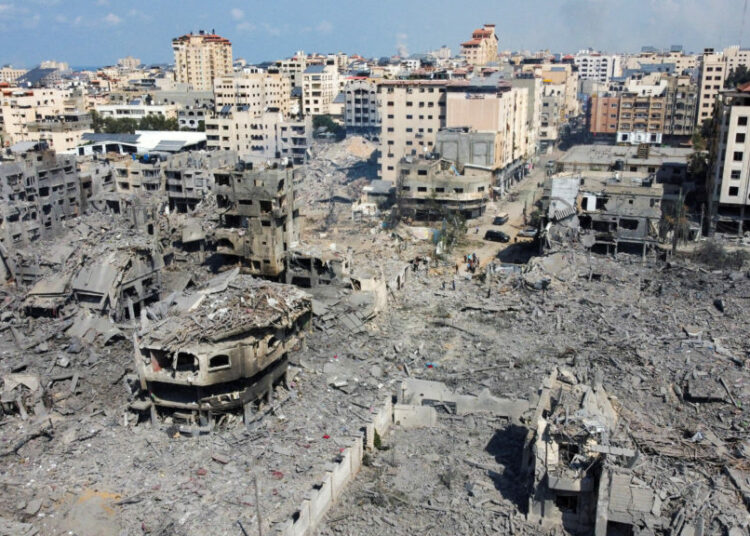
333 482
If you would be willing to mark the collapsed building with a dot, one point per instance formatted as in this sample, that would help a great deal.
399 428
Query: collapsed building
429 185
258 217
580 461
221 346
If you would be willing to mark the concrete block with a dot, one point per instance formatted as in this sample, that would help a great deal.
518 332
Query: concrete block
341 474
408 416
320 499
357 450
370 436
301 520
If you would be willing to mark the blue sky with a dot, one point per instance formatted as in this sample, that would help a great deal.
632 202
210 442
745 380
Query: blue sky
97 32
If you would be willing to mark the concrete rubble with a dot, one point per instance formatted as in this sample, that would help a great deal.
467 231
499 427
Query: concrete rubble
150 385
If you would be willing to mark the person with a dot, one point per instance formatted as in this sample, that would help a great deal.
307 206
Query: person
454 284
456 268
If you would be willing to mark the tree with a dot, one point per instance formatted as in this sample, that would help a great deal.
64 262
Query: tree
97 123
737 77
329 124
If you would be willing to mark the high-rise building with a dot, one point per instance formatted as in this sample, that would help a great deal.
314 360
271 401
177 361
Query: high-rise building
200 58
481 49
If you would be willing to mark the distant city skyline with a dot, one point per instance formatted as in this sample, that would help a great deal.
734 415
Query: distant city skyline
98 32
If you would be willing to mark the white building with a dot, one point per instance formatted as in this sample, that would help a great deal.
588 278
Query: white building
136 110
597 66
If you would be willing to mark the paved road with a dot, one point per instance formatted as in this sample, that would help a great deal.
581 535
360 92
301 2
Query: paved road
527 192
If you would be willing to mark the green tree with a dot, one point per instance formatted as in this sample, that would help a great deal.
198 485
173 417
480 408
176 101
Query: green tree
330 125
737 77
97 123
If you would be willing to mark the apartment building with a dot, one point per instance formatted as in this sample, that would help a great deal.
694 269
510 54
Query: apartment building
411 113
715 69
361 105
20 107
258 217
429 186
266 135
293 68
646 111
533 86
257 92
138 174
136 110
62 133
320 86
9 74
201 58
189 177
39 190
481 49
597 66
129 63
729 185
491 106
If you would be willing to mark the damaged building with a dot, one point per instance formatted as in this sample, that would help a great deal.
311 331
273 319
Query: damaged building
579 459
189 177
221 346
429 185
258 217
615 209
40 190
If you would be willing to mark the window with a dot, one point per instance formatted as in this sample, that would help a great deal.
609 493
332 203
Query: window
734 191
218 362
629 224
742 120
735 174
737 156
421 188
739 138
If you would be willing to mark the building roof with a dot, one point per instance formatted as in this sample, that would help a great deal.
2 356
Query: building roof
169 141
315 69
34 76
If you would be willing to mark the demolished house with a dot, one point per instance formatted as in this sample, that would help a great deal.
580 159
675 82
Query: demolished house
221 346
579 459
257 217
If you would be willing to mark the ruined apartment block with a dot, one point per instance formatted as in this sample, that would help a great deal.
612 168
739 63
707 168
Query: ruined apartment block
580 461
222 346
40 190
135 174
428 186
258 217
189 177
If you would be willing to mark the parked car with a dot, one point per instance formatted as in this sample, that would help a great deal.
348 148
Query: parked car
500 219
496 236
529 232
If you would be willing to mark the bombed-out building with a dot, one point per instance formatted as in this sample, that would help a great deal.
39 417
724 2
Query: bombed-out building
223 345
39 190
579 459
428 186
189 176
258 217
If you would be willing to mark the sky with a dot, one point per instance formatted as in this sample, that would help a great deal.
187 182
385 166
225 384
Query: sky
98 32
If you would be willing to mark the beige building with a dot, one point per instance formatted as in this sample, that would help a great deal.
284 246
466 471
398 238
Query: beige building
62 133
293 68
136 111
320 85
258 92
492 108
19 108
411 113
481 49
200 58
715 68
9 74
129 63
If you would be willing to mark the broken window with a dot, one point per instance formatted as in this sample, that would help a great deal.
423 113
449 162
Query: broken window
628 224
186 362
218 362
601 202
567 503
568 452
